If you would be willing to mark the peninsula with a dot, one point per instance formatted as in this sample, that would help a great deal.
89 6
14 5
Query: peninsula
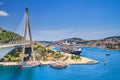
45 56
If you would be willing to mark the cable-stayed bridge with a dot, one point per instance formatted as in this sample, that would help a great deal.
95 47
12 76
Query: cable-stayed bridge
22 42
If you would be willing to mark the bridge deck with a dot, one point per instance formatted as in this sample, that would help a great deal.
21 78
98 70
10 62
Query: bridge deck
12 45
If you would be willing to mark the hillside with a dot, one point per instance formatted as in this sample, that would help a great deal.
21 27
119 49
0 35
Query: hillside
2 30
113 37
7 36
70 41
109 42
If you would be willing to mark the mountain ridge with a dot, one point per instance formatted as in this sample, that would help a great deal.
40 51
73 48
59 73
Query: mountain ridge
112 42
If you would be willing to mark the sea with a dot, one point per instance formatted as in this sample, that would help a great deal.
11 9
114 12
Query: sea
108 68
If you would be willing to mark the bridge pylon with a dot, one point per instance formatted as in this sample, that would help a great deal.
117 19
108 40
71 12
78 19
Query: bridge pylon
27 29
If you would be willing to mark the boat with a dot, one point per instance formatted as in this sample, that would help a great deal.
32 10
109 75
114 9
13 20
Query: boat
68 49
58 65
105 63
77 50
30 64
107 54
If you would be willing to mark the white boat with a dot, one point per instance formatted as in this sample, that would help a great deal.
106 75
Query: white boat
30 64
58 65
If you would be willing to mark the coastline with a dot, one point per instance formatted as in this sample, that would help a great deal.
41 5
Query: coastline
69 61
83 60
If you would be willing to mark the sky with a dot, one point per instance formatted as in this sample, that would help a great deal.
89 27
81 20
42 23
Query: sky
53 20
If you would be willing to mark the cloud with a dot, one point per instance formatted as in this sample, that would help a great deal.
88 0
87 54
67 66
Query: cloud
1 3
3 13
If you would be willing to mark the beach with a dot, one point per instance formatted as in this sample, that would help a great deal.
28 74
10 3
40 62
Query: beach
82 60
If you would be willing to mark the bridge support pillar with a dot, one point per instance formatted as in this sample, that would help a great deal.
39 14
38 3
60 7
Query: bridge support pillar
27 29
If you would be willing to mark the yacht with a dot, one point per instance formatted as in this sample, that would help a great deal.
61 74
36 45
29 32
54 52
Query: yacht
30 64
59 65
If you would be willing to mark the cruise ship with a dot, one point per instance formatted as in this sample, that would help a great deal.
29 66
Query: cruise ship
77 50
68 49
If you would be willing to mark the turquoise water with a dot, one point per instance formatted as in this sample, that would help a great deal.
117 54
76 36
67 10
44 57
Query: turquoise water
110 71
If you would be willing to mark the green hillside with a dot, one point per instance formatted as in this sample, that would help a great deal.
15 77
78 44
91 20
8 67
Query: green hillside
7 36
